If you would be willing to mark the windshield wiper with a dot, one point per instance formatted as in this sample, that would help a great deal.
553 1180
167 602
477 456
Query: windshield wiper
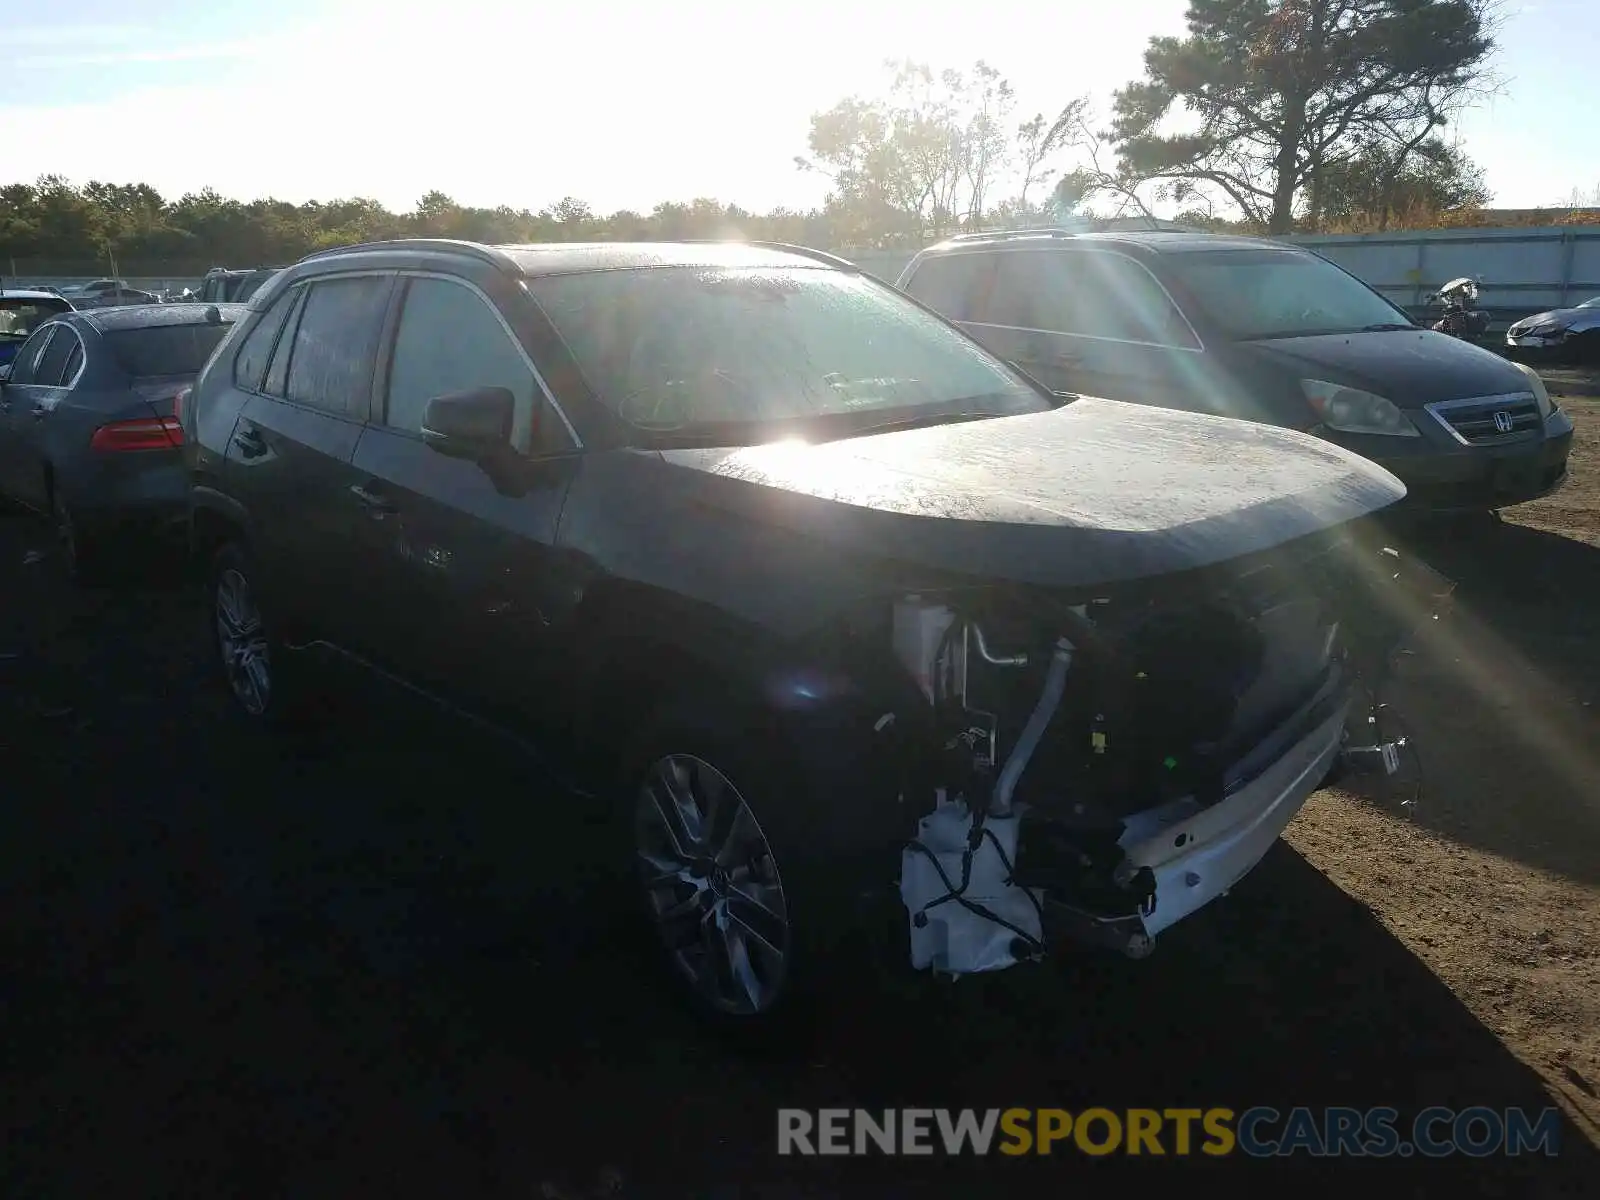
1391 327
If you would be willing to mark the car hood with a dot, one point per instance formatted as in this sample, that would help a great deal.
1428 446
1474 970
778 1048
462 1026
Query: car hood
1094 493
1576 319
1409 368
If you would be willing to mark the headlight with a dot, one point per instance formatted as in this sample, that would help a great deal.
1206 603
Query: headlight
1350 410
1541 394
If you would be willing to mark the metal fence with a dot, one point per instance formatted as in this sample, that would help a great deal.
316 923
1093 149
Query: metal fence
1521 270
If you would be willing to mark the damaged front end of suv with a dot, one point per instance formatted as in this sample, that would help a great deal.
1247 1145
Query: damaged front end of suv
1095 717
1093 772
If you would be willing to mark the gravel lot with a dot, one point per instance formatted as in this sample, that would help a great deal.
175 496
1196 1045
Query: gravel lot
376 965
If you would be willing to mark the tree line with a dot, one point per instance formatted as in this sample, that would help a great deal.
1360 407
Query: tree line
1269 116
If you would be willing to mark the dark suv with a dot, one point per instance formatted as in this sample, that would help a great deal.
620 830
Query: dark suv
801 575
1261 330
234 286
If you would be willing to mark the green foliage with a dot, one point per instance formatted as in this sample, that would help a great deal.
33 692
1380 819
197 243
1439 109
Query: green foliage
1263 95
51 222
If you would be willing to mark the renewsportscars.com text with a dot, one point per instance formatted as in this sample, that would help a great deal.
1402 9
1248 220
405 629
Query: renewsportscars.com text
1255 1132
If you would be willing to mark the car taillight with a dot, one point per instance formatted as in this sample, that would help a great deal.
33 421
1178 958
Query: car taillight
143 433
178 401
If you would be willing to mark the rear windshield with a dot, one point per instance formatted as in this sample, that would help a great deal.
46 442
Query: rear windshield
250 285
1253 294
165 349
19 318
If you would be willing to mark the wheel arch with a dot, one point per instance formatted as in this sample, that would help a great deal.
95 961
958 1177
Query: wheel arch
215 519
639 651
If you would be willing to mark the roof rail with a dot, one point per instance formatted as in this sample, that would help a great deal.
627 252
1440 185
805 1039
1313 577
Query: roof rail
1001 234
489 254
833 260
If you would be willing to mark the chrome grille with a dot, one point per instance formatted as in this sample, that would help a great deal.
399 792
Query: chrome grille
1484 420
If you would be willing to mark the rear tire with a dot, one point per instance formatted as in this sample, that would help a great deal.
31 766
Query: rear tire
264 679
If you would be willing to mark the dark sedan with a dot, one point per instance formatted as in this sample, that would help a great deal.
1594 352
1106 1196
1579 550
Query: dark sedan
1572 333
88 431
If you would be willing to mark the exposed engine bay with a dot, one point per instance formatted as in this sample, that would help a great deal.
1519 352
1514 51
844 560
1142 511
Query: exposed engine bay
1102 769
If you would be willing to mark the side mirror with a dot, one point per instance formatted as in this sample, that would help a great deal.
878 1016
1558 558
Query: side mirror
5 375
474 424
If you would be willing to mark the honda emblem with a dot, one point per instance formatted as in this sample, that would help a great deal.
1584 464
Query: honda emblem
1502 421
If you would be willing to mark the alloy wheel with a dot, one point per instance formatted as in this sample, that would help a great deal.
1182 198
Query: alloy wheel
242 641
712 885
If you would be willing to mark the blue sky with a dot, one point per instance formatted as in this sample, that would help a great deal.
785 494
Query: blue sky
620 102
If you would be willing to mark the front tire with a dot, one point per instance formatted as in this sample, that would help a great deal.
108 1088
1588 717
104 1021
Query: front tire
725 885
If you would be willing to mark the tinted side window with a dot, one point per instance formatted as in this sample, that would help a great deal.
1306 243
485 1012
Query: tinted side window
451 340
955 285
277 380
48 371
250 365
28 356
336 344
1086 293
1035 290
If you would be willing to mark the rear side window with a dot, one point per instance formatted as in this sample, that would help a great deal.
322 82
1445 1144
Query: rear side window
165 349
251 364
954 285
1087 294
23 366
50 370
277 381
74 363
335 344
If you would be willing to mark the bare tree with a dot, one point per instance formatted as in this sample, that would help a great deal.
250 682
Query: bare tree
1096 175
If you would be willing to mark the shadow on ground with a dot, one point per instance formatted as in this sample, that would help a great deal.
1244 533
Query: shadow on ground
383 968
1501 697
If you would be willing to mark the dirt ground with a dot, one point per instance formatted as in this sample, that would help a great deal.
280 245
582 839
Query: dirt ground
1492 877
379 963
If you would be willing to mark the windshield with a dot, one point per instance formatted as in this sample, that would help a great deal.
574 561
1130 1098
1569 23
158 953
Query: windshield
726 354
19 318
165 349
1251 294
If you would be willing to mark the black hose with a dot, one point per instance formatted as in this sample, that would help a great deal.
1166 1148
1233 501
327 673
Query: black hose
952 893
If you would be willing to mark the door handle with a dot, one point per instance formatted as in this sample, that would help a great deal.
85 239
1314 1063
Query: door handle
39 412
376 502
251 442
